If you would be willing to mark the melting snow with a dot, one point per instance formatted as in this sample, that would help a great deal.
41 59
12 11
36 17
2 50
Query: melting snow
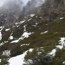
30 50
0 60
35 24
39 53
25 44
61 43
52 53
24 28
63 63
44 32
22 21
24 35
0 35
59 46
7 29
15 41
31 15
1 28
18 23
29 19
11 37
18 60
3 43
62 18
6 52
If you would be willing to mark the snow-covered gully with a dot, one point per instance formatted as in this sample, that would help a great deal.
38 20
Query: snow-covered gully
19 60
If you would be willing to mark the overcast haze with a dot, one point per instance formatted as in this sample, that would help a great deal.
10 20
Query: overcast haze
12 6
3 1
25 1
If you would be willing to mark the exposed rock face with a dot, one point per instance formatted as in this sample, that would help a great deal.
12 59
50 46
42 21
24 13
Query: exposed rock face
55 3
52 8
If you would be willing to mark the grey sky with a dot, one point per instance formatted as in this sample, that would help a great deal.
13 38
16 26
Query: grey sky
3 1
25 1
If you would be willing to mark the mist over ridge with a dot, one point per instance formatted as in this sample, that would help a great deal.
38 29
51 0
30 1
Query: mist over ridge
11 10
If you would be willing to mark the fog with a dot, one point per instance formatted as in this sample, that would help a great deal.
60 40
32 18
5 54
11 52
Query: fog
16 6
11 10
32 5
25 1
2 2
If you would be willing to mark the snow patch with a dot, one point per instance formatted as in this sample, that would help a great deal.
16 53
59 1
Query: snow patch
18 23
30 50
44 32
52 53
62 18
59 46
18 60
24 35
3 43
15 41
7 29
25 44
22 21
63 63
35 24
32 15
29 19
0 60
39 53
0 35
6 52
61 43
1 28
11 37
24 28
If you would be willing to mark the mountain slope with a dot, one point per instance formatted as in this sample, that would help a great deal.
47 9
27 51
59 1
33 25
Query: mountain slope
43 32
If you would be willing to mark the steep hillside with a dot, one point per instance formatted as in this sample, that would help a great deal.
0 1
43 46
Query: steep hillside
37 39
